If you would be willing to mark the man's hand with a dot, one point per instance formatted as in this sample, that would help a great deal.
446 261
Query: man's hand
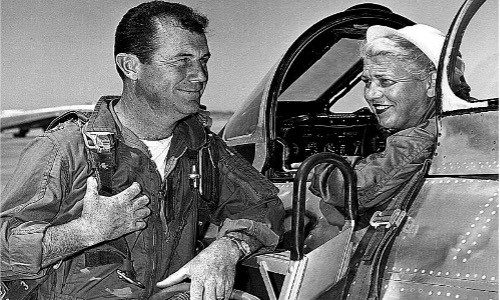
212 272
103 218
108 218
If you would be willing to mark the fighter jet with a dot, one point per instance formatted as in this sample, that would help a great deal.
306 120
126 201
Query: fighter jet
309 109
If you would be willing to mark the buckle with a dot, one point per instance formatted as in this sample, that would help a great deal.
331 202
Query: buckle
127 274
388 218
129 278
194 177
100 141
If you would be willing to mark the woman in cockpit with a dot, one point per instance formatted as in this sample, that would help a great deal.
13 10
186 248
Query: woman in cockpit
400 76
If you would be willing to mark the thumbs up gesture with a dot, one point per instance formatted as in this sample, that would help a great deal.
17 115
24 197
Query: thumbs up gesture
112 217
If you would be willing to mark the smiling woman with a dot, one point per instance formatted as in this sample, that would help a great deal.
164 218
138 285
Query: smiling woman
399 73
400 79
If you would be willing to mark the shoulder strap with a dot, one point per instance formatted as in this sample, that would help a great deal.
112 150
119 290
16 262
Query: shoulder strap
100 147
385 226
70 115
208 160
101 155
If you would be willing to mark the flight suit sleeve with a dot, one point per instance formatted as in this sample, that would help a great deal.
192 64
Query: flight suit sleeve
248 201
381 175
31 201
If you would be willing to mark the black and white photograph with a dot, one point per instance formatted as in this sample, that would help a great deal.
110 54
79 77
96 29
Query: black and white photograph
249 150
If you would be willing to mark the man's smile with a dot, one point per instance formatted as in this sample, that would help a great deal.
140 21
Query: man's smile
195 93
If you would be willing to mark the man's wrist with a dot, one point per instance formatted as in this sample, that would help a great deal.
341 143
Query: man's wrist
242 245
62 240
87 235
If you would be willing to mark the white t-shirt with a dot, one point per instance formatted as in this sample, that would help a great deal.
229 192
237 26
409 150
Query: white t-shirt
159 150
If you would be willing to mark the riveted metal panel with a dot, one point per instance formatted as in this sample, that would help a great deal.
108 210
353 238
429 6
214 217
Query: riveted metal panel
448 247
412 290
467 144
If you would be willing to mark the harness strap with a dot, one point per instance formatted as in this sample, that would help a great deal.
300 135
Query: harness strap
100 148
101 152
209 173
364 278
177 224
204 196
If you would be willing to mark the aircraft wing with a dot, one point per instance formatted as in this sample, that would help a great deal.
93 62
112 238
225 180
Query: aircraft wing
36 118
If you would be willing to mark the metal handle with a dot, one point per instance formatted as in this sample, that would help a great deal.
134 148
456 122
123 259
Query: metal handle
299 195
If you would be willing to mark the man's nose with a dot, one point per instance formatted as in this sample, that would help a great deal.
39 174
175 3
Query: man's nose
198 72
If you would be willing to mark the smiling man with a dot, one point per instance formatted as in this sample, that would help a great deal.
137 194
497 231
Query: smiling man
166 86
112 206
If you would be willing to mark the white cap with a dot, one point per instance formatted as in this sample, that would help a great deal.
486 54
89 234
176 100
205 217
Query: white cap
426 38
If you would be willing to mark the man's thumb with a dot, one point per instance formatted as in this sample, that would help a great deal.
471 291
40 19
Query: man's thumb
174 278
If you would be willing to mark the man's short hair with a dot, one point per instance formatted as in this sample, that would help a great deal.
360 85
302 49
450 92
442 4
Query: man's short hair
137 31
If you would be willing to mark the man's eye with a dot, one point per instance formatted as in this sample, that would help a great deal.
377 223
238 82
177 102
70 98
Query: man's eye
180 62
204 60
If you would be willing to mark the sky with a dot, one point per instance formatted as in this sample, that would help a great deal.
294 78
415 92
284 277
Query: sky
56 53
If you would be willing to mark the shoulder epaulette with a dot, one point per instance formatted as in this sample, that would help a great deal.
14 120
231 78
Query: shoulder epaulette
70 115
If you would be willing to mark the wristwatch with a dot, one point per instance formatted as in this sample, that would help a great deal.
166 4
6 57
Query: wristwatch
241 244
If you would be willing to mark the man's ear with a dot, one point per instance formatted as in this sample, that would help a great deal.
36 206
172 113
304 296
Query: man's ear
129 64
431 84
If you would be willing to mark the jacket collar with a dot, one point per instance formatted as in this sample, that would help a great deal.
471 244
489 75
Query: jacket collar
102 118
189 132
